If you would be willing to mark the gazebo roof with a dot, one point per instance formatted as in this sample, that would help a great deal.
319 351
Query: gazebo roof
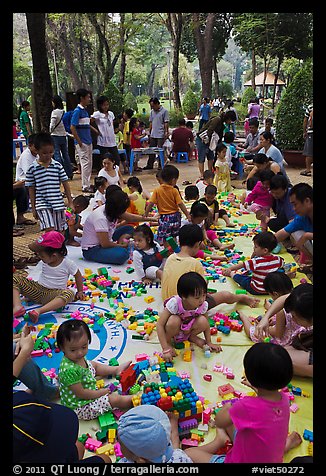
270 78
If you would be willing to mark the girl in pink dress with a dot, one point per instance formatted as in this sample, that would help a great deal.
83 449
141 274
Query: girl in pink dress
183 317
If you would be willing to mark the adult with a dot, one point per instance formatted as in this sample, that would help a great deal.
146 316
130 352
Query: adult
267 147
81 130
103 119
204 138
300 229
182 138
46 432
216 104
254 108
59 136
252 143
21 197
282 206
25 120
268 127
71 142
262 162
103 241
158 129
111 171
308 136
204 113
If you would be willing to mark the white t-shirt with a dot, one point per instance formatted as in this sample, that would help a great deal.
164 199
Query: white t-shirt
94 223
23 164
201 185
111 180
98 196
105 125
56 277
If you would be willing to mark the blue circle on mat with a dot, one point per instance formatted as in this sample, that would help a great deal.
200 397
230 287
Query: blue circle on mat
106 344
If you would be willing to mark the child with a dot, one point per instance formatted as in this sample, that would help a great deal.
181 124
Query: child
190 239
119 143
136 136
191 193
77 383
222 178
199 213
184 316
260 199
51 288
100 184
111 171
282 327
43 180
210 200
201 184
127 115
232 153
137 194
257 426
80 203
246 125
146 263
163 446
168 202
144 138
261 263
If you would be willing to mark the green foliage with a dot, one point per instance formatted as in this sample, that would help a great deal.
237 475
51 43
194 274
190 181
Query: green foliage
290 113
143 117
115 98
174 117
143 98
248 94
225 89
190 103
14 110
130 101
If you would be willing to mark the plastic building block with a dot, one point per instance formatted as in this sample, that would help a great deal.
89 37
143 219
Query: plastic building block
207 377
225 389
92 445
294 408
149 299
308 435
107 449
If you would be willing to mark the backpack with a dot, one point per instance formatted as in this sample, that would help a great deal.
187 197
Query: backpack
66 119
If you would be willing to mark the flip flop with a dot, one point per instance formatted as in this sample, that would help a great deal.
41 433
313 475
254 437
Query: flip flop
20 263
21 312
27 222
186 182
306 173
18 233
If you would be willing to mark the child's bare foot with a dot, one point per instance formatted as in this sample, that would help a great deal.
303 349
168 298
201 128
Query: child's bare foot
73 243
292 441
197 340
231 225
122 367
248 300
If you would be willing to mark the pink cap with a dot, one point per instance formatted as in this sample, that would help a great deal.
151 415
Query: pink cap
51 239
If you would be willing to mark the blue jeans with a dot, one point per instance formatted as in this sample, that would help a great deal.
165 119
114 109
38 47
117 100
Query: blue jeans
32 376
114 255
203 151
61 153
244 282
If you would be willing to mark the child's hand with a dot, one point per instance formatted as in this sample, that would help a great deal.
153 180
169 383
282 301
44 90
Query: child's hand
80 295
147 281
214 347
226 272
168 356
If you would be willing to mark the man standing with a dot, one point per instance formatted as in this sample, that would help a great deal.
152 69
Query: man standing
158 129
181 138
81 130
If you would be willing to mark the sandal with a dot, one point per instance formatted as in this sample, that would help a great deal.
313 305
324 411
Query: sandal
306 173
27 222
20 263
186 182
18 232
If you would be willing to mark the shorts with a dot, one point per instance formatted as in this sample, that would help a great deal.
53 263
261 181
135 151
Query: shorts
245 282
168 225
254 207
203 151
308 146
52 219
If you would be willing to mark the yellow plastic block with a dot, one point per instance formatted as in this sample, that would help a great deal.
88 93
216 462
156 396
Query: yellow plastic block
86 319
111 435
187 356
40 327
133 326
149 299
107 449
88 271
187 413
100 383
91 287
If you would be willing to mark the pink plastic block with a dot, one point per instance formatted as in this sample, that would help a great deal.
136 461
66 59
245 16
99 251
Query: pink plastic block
294 408
140 357
188 442
206 415
37 353
92 445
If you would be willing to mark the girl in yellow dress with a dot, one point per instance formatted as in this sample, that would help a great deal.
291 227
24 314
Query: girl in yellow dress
222 178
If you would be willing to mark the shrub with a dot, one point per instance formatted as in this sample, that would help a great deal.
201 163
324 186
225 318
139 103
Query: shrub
290 113
143 98
174 117
248 94
129 101
115 98
143 117
190 103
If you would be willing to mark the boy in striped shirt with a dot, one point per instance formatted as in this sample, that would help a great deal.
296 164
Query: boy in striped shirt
261 263
43 180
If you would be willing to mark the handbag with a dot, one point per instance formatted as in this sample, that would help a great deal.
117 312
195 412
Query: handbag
204 136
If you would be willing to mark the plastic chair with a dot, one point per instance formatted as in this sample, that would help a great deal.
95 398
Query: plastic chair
184 155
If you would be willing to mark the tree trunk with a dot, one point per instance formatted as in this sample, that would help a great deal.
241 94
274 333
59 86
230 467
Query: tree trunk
41 74
253 69
123 53
150 87
216 78
279 62
204 43
174 25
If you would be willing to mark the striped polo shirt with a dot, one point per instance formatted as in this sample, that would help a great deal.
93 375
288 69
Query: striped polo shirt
46 181
307 115
81 120
261 266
